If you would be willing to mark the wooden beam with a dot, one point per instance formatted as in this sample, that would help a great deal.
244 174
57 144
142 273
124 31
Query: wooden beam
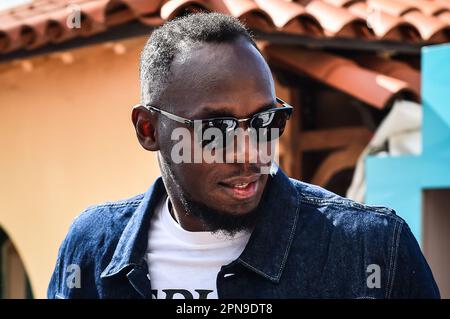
342 44
119 32
336 162
333 138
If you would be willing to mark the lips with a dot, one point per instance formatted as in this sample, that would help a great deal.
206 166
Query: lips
241 188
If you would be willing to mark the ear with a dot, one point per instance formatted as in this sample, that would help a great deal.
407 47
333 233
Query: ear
145 125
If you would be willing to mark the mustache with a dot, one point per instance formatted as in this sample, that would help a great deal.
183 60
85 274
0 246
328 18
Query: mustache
245 170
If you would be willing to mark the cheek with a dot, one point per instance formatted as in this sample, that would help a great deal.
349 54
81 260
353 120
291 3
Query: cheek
194 178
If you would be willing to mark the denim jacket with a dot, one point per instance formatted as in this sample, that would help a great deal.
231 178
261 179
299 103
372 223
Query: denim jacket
309 243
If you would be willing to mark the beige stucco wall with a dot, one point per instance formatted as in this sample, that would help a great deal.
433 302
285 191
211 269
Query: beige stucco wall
66 142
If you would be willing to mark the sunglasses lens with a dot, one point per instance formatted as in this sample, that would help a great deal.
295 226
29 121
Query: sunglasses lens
264 123
224 126
268 125
263 120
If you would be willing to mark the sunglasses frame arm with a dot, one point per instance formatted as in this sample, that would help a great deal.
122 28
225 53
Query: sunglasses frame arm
284 104
171 116
189 122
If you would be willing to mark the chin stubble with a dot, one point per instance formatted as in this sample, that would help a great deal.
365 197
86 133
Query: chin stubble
214 220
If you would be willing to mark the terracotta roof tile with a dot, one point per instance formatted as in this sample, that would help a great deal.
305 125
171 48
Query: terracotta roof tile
374 88
444 16
291 17
384 25
338 21
172 9
431 28
392 68
246 10
431 8
396 8
44 21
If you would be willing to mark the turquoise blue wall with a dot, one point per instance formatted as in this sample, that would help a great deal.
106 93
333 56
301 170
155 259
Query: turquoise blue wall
398 182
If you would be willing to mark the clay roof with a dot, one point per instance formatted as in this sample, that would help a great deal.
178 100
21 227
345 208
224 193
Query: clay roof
45 21
375 81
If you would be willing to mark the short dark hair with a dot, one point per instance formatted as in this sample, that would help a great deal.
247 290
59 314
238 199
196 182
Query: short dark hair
166 41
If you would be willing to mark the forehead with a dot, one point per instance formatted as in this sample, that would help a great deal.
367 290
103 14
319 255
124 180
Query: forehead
232 76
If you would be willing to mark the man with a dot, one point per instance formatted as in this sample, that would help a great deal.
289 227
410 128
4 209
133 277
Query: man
212 229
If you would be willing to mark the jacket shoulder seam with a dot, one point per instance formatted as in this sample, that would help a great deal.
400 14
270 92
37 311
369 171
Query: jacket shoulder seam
398 229
379 210
118 204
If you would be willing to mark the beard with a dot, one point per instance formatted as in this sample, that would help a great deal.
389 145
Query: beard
214 220
217 221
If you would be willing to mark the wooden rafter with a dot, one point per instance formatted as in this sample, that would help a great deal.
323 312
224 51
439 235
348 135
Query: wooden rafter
335 162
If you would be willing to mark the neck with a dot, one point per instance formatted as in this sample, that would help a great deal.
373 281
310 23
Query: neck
184 219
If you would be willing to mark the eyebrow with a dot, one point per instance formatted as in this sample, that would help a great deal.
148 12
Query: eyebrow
209 112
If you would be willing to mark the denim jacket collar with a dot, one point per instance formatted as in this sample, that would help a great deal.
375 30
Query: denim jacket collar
268 248
274 232
130 250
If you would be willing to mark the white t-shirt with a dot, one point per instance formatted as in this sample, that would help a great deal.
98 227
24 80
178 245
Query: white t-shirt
184 264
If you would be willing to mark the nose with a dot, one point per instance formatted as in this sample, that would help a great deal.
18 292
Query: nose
244 148
244 124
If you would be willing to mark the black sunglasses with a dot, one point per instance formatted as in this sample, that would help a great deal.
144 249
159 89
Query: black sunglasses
274 118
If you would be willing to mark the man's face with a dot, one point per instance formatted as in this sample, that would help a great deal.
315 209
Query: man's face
213 80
